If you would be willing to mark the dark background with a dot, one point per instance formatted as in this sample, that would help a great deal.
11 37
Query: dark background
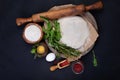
16 62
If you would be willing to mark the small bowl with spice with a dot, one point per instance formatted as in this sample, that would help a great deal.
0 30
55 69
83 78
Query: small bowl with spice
39 49
77 67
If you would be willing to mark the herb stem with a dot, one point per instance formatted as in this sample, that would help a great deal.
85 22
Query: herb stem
94 59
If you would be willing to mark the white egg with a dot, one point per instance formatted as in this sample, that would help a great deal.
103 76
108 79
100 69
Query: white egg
50 57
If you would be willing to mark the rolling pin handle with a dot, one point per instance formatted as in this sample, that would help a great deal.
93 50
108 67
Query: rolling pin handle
53 68
20 21
94 6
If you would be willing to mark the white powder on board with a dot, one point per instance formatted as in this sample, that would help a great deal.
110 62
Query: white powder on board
74 31
32 33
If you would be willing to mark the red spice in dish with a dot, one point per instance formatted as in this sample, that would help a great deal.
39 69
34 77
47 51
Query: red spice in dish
77 67
64 63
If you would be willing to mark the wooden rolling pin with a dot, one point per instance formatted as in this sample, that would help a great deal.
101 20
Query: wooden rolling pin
55 14
60 65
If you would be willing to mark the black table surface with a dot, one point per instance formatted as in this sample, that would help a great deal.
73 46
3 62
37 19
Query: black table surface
16 62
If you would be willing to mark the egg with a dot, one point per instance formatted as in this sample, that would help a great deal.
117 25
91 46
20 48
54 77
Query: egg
50 57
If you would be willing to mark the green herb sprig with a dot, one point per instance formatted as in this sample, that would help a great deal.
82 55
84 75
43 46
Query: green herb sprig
94 59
